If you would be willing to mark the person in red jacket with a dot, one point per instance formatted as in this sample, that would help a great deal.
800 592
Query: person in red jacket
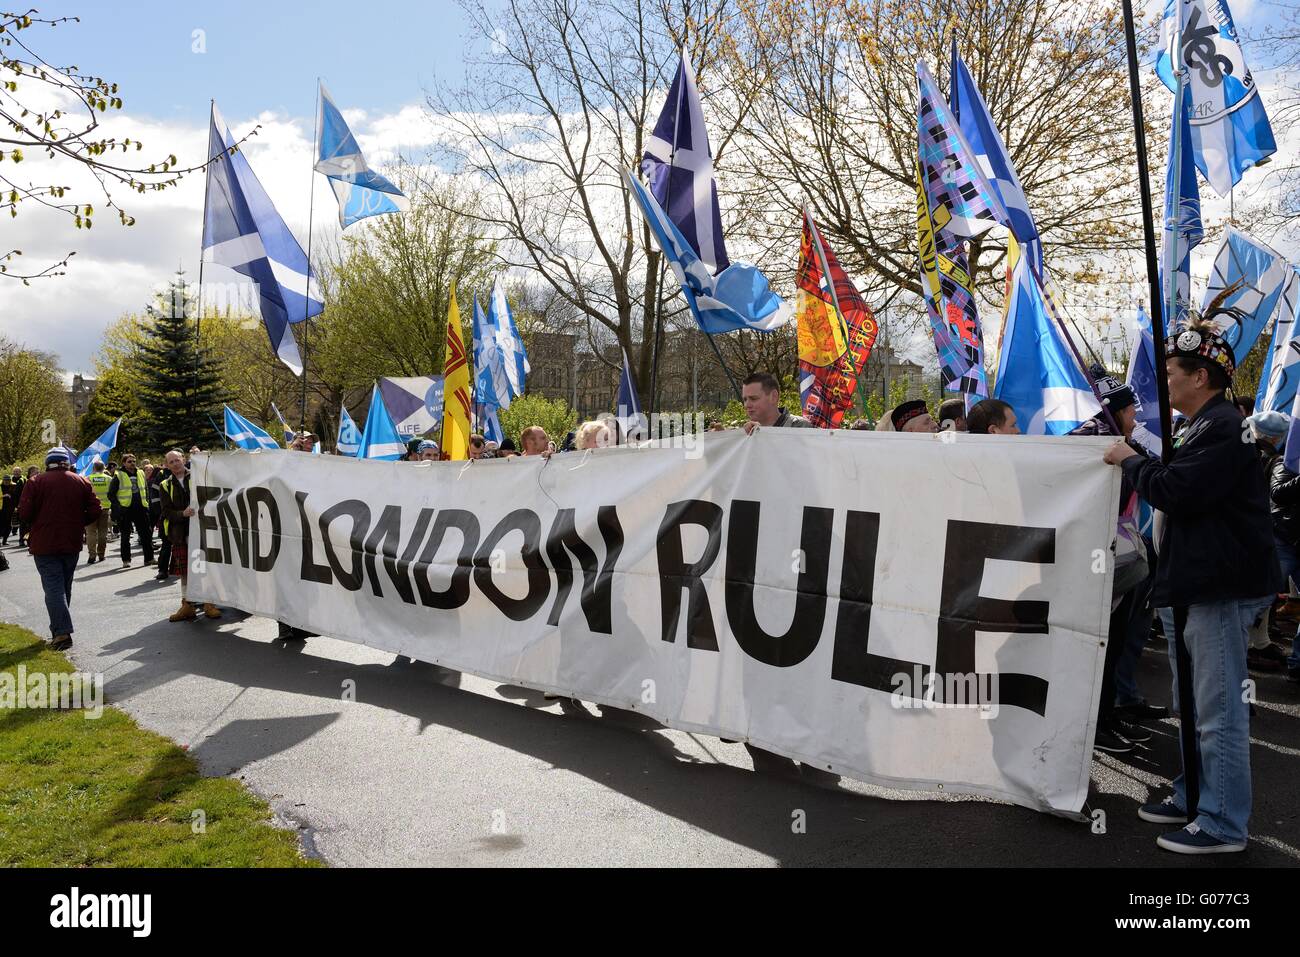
57 506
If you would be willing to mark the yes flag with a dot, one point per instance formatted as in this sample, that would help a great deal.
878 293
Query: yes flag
243 231
679 167
245 434
361 191
1277 383
1230 130
739 297
1259 273
491 387
1183 230
455 389
1037 374
990 153
489 423
349 435
98 450
509 345
380 439
836 331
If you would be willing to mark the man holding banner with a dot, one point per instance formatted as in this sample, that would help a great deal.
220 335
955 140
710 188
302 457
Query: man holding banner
1217 572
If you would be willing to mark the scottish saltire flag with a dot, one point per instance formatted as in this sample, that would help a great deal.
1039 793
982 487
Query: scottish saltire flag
739 297
954 364
245 434
98 450
1291 454
1142 378
491 387
963 203
831 311
1261 273
455 389
630 420
349 435
289 433
1183 230
361 191
509 345
242 231
1230 130
380 440
1037 373
489 423
976 124
679 167
1277 383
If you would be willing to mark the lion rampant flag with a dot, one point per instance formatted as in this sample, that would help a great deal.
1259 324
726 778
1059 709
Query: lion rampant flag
455 389
836 331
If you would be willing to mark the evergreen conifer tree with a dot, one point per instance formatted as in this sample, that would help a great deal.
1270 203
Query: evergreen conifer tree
179 384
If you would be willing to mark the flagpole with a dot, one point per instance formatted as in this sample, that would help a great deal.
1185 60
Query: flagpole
198 320
306 304
1182 661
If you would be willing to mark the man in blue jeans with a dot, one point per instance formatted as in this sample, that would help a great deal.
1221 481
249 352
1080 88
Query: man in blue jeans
1217 571
56 507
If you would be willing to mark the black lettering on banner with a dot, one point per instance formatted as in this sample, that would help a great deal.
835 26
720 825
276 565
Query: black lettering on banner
851 661
675 574
359 512
799 640
228 522
383 539
596 586
457 591
413 545
963 611
310 572
256 496
207 523
539 578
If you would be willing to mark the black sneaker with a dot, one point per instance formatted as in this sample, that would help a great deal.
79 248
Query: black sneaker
1141 712
1163 812
1111 742
1134 732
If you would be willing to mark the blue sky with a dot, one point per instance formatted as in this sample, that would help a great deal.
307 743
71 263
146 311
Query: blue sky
375 55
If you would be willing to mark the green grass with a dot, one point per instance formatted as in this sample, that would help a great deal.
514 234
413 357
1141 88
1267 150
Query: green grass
107 793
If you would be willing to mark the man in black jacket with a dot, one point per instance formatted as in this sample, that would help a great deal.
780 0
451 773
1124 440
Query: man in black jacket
1216 572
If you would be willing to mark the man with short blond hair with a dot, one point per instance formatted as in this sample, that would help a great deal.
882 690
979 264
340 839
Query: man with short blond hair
535 440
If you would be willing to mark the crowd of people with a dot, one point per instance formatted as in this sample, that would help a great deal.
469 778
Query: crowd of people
1225 539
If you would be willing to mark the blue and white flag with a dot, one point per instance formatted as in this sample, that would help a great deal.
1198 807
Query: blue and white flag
349 435
1230 130
98 450
990 153
1291 454
1037 373
1277 383
1183 230
1142 379
630 420
243 231
739 297
380 440
679 167
289 434
1261 273
245 434
509 344
361 191
489 423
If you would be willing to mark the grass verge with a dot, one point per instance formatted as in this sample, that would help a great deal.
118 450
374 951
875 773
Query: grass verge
104 792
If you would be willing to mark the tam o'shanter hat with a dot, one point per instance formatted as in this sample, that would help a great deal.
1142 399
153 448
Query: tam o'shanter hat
906 412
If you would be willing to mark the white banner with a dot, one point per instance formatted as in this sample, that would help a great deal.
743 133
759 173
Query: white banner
914 611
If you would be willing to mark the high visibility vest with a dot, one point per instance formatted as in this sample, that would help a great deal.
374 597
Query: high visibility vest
100 482
125 481
166 486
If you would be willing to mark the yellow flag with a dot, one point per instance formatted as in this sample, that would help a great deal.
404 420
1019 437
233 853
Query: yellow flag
455 389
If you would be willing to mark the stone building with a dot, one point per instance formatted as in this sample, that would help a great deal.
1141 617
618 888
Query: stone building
82 391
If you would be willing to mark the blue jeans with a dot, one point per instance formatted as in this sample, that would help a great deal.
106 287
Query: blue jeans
1289 559
56 578
1216 637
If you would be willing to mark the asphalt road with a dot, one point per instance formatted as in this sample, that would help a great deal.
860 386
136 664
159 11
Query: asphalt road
430 767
